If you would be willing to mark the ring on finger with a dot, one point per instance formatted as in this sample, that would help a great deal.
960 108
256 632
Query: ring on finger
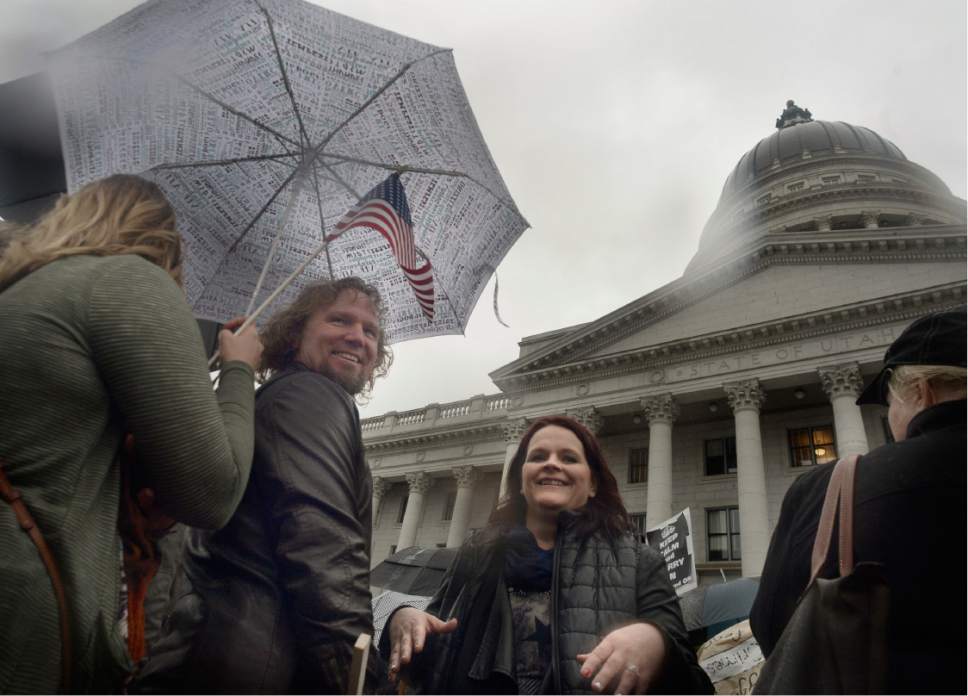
633 668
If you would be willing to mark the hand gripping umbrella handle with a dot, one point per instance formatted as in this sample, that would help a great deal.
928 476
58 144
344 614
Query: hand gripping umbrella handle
271 298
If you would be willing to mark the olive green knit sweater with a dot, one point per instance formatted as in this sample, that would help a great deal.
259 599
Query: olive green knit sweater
91 348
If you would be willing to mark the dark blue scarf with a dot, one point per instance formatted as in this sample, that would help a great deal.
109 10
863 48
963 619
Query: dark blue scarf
527 566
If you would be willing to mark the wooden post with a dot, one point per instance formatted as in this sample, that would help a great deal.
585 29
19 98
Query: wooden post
361 651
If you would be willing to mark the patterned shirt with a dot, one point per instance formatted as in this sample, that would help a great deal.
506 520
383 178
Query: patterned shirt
531 617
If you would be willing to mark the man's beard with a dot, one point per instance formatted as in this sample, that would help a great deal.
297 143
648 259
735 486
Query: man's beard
351 385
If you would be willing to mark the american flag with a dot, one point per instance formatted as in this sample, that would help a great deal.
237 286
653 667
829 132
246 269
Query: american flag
385 210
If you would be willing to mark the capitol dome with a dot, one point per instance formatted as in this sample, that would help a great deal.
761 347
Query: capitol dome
822 176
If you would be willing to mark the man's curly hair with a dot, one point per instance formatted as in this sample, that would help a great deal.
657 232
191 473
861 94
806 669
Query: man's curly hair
282 335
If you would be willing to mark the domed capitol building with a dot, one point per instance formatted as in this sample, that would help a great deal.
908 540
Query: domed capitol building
715 391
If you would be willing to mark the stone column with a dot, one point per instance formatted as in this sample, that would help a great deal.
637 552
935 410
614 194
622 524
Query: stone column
661 411
843 384
466 477
419 484
513 432
380 487
745 399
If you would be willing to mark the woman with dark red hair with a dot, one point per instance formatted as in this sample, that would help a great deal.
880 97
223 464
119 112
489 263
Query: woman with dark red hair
555 595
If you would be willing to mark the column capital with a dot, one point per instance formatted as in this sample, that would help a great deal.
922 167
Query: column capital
587 416
380 486
745 395
419 482
466 476
841 380
514 430
660 409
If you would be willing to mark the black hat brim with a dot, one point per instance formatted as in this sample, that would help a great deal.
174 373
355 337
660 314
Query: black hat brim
876 391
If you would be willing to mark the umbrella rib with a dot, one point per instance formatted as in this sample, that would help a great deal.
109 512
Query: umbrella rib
340 180
404 168
248 227
210 97
285 75
375 95
253 121
218 163
322 219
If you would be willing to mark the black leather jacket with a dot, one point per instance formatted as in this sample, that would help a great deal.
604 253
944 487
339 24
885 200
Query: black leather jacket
597 586
273 602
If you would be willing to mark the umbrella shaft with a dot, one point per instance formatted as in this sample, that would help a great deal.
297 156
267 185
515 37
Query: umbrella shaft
296 191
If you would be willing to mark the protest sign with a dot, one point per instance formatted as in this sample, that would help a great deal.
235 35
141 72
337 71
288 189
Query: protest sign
673 539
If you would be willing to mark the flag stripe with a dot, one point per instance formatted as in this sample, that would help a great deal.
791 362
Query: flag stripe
385 210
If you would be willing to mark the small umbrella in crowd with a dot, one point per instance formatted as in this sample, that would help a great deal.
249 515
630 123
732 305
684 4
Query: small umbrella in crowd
414 570
717 606
266 123
407 578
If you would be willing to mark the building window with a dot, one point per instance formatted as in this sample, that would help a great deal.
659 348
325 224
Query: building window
720 456
796 187
441 545
834 179
866 178
638 525
449 506
638 465
812 446
403 509
393 549
722 534
763 200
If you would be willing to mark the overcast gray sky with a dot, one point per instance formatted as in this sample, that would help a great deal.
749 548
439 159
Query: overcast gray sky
615 123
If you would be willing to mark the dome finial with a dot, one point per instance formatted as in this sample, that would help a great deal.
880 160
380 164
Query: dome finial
792 115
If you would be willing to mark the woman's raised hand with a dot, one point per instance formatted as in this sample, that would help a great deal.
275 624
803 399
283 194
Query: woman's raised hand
245 347
626 660
409 629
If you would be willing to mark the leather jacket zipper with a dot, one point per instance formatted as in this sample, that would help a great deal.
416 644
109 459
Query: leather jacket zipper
555 657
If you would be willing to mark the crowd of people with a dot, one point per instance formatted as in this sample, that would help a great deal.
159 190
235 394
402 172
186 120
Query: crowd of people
108 409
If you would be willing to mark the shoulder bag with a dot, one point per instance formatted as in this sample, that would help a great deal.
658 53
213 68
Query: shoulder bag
12 497
836 640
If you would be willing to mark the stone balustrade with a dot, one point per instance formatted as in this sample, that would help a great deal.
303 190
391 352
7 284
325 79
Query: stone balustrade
478 407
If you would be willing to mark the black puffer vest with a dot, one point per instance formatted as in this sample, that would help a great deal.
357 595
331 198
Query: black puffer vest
598 585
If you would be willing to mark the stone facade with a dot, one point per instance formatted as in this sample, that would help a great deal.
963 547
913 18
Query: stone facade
716 391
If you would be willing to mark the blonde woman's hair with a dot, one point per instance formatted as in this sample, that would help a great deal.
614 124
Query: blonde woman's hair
944 378
121 214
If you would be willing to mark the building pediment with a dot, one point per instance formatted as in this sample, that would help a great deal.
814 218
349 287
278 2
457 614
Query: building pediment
823 280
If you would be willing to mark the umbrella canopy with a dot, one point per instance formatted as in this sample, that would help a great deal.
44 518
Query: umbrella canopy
413 570
718 605
265 122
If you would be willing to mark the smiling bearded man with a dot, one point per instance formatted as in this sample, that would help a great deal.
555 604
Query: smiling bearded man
273 602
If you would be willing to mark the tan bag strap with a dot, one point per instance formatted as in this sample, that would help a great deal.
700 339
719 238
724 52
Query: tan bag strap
840 490
12 496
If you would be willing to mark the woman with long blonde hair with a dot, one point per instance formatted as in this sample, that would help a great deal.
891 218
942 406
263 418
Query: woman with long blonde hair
96 341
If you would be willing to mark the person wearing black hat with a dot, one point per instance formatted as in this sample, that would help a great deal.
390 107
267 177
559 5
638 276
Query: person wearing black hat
909 513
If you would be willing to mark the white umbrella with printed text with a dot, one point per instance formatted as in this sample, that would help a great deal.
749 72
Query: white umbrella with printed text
267 123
